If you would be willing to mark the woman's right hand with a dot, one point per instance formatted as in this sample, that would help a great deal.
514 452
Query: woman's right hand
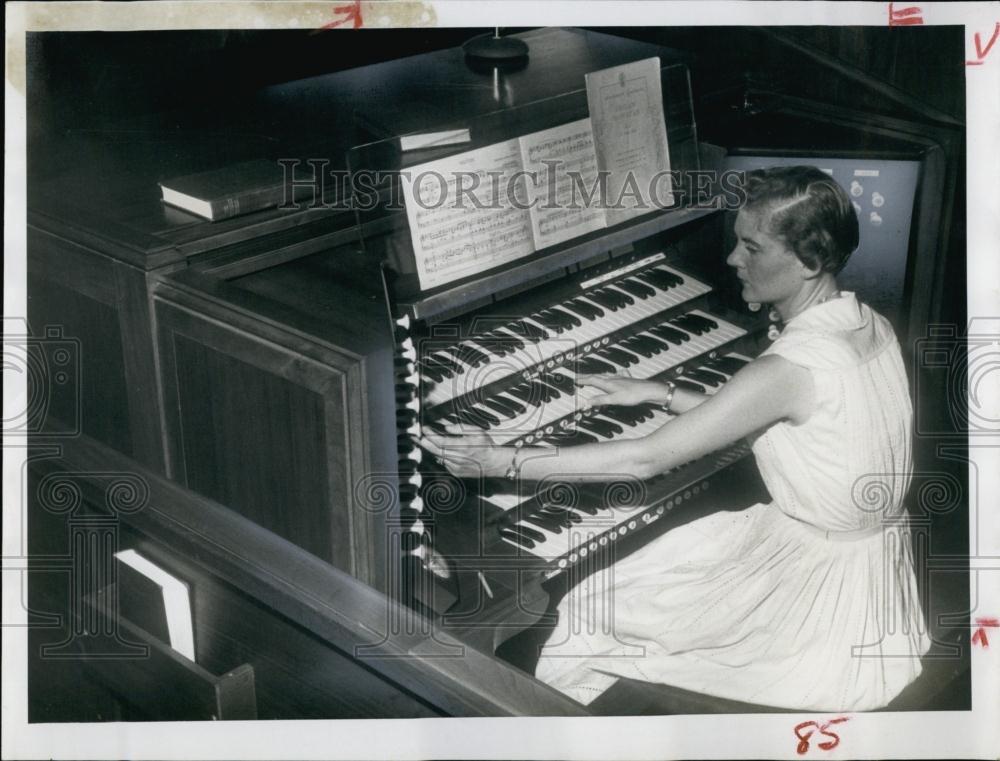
620 389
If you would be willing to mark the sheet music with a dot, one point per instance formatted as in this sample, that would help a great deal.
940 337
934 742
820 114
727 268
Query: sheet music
630 137
559 208
456 237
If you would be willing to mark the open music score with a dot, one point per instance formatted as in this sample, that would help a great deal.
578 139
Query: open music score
461 218
481 209
553 159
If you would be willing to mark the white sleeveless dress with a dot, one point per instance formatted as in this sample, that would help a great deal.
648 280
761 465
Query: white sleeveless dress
809 602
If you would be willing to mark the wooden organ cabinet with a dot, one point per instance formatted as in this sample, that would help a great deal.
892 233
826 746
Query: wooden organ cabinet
253 381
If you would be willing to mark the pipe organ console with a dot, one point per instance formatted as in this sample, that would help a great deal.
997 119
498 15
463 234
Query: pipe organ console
480 549
268 376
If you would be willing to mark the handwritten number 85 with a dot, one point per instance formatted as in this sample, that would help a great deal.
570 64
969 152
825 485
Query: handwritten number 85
805 730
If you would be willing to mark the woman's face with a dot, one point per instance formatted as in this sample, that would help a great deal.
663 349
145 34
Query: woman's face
769 272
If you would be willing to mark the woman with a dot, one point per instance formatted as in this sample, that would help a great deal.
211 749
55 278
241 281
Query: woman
808 602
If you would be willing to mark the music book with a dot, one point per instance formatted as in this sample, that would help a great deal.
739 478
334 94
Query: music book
155 600
630 137
481 209
230 191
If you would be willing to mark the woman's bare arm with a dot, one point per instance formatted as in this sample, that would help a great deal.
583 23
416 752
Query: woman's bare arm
764 392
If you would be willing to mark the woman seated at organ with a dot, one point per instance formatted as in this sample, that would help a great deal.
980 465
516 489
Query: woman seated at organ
785 604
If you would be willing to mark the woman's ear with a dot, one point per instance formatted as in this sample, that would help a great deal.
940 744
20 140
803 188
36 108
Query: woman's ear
809 272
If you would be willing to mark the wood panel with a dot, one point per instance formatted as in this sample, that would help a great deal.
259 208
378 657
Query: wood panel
277 423
101 306
93 398
255 441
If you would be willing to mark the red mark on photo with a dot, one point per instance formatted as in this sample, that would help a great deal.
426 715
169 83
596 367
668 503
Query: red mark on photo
351 13
981 52
905 16
805 730
979 638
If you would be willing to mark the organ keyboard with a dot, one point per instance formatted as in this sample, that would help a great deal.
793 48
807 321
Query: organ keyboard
509 370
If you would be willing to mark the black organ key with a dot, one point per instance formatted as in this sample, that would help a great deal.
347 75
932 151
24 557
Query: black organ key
608 423
603 300
631 416
731 365
442 418
476 416
584 309
619 357
574 308
613 300
593 365
543 392
682 383
550 521
657 344
696 323
693 326
505 343
488 345
623 298
441 362
499 406
433 373
705 378
570 438
711 374
437 426
517 538
551 391
511 342
562 382
551 321
635 288
705 322
585 507
553 520
600 427
513 404
524 392
531 332
670 334
564 515
536 536
661 278
637 345
469 355
568 317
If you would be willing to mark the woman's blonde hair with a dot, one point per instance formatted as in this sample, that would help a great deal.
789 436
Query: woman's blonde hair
808 211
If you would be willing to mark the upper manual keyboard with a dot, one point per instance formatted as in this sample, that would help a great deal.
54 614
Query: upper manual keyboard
549 336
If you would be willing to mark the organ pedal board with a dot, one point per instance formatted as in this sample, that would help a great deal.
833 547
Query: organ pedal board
477 554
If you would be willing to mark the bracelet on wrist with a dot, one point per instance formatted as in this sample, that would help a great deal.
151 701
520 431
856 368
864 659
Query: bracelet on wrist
671 388
515 469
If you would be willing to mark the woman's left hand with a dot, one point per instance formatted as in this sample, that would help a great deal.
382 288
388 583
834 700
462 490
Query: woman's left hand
470 455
